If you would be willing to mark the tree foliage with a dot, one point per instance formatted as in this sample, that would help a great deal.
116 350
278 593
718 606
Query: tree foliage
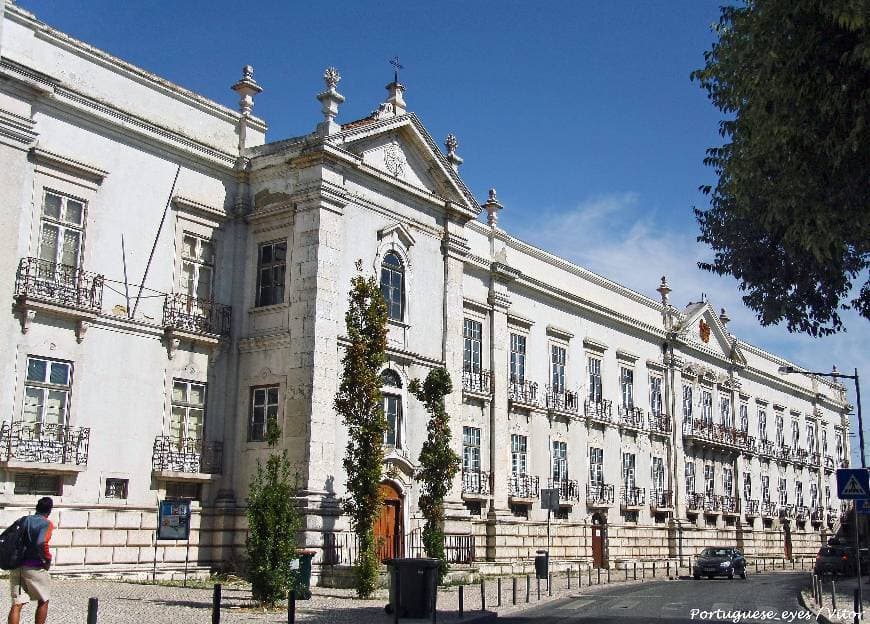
438 462
359 402
789 216
273 522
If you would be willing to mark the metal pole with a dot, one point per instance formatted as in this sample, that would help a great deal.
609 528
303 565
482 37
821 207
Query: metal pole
856 604
833 594
461 600
550 584
498 586
538 580
435 597
291 607
397 595
216 604
858 550
860 422
569 577
482 594
186 559
92 610
514 591
528 587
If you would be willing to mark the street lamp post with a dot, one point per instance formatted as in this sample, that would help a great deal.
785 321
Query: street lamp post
785 370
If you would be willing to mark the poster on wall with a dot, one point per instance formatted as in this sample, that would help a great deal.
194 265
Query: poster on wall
173 519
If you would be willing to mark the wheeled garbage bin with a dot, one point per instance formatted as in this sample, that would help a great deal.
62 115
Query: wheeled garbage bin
301 582
542 564
412 586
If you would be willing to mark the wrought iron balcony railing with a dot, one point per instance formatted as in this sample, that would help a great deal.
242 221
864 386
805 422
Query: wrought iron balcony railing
661 499
751 506
189 455
632 496
712 503
802 455
730 504
815 459
599 494
786 511
694 502
599 410
475 482
766 447
769 509
525 392
563 400
477 381
569 490
60 284
659 423
829 463
631 417
44 443
801 513
817 515
523 486
198 316
784 453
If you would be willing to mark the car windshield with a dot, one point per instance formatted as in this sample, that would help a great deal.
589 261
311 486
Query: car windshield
716 552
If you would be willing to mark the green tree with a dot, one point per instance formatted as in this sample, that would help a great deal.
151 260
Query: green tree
789 216
273 522
359 401
438 462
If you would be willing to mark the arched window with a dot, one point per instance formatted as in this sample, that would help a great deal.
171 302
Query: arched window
392 388
393 285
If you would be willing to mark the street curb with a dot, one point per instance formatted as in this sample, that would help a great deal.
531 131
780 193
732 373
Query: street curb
807 603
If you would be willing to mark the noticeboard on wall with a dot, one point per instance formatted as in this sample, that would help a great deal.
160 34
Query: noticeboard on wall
173 519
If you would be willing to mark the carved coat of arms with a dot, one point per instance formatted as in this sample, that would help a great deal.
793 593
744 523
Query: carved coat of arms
394 159
704 330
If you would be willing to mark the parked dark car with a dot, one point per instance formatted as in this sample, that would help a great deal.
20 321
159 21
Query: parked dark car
836 561
720 561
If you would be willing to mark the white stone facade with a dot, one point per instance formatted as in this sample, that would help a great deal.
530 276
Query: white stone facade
115 398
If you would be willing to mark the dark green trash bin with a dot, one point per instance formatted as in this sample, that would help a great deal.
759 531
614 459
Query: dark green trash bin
301 583
416 580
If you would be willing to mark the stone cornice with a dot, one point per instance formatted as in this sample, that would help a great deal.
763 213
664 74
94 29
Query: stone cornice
70 165
128 70
211 213
18 131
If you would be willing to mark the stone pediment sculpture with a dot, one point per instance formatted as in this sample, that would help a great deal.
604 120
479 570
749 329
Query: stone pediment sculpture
702 328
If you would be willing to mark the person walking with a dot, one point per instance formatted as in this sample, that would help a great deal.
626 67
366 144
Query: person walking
31 581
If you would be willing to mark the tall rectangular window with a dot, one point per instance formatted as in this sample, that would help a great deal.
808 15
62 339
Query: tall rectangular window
824 441
747 486
799 494
626 385
725 412
47 391
827 496
811 438
814 495
709 479
471 449
762 425
658 474
765 488
628 473
596 466
780 433
687 404
783 492
838 438
557 370
393 414
519 459
744 417
393 285
655 395
264 409
271 269
690 477
595 387
472 332
728 481
707 408
197 267
61 229
518 359
560 461
795 435
188 411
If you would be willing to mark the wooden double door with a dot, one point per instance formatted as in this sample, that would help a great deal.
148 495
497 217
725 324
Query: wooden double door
389 528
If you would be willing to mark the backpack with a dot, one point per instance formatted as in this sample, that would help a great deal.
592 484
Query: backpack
13 545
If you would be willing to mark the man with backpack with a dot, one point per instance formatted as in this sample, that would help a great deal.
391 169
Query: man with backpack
31 581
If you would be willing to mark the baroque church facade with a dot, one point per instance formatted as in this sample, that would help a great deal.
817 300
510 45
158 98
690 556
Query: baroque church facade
146 343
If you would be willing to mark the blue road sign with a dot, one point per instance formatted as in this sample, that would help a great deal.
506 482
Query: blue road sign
863 506
853 483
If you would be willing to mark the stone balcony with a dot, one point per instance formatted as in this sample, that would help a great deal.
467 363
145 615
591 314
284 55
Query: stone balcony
716 436
631 418
694 503
599 496
751 508
475 484
659 424
569 490
186 459
37 447
632 498
563 402
600 412
661 500
769 509
524 394
730 505
477 383
523 488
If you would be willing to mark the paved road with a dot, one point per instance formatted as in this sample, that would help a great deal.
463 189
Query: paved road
672 602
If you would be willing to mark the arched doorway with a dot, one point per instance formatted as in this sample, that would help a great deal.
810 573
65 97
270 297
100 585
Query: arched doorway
599 541
389 526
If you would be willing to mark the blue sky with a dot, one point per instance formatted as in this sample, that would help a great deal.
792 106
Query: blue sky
580 114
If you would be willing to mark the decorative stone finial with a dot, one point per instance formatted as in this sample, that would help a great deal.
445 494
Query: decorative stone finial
330 99
664 290
723 317
492 207
452 157
247 88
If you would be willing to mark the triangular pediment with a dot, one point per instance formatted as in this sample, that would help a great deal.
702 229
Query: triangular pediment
702 328
402 150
